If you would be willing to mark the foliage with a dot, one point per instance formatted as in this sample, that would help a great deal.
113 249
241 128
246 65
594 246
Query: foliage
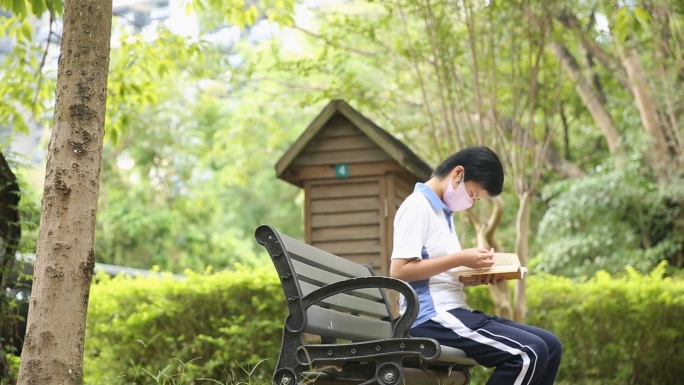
165 210
14 301
208 325
24 101
609 219
136 83
389 59
406 62
625 329
243 13
24 8
221 325
169 204
13 366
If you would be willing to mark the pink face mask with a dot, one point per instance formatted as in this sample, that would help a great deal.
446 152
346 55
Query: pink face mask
458 199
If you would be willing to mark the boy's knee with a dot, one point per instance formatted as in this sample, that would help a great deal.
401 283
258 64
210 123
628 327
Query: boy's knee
540 352
554 344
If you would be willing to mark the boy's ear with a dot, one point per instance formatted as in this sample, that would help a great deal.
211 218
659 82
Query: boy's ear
457 172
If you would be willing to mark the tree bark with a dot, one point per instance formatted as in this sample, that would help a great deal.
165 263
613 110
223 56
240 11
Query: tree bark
592 98
10 233
663 156
499 293
559 164
563 166
54 342
522 224
569 20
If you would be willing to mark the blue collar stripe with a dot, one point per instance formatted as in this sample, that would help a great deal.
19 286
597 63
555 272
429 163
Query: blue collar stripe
434 200
431 196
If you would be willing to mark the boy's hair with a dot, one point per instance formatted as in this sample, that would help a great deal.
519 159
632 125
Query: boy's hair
481 165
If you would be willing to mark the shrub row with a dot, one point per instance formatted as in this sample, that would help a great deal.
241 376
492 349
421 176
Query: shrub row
219 326
213 326
627 329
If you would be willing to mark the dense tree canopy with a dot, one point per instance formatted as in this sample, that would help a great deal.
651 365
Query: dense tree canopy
580 99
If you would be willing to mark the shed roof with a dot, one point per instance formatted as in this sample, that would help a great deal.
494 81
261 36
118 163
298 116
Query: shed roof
388 143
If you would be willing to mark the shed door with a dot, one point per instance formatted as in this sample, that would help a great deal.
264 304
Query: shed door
346 217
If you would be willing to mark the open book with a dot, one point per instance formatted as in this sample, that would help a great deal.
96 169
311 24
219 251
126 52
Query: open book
506 265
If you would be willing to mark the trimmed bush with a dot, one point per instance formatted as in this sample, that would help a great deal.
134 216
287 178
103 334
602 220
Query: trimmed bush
215 326
615 330
628 329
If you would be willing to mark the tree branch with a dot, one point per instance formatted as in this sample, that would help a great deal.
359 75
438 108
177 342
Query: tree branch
334 44
419 76
39 72
570 21
559 164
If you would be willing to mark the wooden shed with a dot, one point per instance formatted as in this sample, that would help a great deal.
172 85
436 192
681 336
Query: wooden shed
354 175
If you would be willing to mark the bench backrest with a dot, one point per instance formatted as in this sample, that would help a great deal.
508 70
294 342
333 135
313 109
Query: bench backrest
356 316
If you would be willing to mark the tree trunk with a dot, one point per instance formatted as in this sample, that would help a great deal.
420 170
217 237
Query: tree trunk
593 99
563 167
54 342
522 224
663 156
500 293
10 233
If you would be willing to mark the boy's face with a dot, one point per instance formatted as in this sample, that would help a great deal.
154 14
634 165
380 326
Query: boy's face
475 190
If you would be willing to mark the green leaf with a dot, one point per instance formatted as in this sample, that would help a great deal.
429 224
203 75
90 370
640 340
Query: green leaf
623 25
6 4
57 6
19 8
642 15
38 7
27 29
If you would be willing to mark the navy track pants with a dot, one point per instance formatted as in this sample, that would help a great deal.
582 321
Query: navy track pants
520 354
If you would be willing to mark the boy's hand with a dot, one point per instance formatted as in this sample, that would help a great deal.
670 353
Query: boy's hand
476 258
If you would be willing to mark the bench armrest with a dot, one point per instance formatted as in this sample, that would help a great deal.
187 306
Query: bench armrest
401 326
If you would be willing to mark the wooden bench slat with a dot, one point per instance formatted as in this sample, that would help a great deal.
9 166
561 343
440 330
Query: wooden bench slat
321 259
349 303
320 277
330 323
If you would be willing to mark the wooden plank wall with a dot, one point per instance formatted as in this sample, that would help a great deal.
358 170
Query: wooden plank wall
402 188
340 142
399 187
345 219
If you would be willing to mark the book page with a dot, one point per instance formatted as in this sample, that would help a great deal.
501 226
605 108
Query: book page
510 259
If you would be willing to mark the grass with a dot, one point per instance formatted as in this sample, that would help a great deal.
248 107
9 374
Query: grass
163 377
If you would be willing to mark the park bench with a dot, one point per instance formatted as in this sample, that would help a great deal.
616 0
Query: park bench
340 330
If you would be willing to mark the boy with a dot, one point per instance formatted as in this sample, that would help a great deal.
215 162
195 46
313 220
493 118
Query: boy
426 247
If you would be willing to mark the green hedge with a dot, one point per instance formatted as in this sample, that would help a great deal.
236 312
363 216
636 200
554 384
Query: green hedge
627 330
152 330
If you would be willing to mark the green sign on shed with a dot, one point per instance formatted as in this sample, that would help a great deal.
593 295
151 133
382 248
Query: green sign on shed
354 175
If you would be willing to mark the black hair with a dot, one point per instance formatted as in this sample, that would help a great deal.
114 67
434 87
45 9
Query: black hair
481 165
